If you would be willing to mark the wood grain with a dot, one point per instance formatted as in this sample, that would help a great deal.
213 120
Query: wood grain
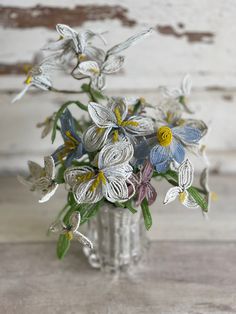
177 277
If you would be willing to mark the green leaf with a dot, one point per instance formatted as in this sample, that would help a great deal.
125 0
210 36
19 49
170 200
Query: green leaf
91 211
60 175
146 214
97 95
128 205
201 201
60 112
63 245
85 88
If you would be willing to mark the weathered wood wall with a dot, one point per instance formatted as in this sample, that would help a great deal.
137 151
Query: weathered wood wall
195 37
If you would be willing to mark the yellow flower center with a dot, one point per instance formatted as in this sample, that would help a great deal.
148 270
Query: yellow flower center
28 80
115 136
82 57
124 123
95 71
164 136
100 178
69 235
118 115
85 177
182 197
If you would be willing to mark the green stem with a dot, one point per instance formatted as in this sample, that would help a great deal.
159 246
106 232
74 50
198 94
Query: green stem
52 89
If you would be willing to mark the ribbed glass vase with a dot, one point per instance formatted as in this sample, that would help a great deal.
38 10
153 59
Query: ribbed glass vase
119 239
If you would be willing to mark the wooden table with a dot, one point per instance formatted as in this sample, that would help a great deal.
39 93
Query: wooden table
190 266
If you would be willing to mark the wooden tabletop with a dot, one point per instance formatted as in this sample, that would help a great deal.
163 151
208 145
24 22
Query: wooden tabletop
189 268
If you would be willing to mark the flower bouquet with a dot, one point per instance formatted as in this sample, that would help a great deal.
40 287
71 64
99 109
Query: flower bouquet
107 162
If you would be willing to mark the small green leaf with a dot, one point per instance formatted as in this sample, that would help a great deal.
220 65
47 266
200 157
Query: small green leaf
63 245
60 175
146 214
85 88
97 95
128 205
201 201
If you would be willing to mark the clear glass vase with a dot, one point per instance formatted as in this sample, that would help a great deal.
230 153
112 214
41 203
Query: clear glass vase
119 239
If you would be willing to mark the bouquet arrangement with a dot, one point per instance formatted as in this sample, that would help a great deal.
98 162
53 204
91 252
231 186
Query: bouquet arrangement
126 142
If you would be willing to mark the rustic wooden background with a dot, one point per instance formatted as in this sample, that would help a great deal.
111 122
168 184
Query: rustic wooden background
193 37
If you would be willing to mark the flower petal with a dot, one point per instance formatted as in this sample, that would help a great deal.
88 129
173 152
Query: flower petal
159 154
49 193
84 194
116 190
147 171
94 137
94 53
163 166
144 126
142 192
21 94
49 167
172 194
75 220
36 170
99 82
113 155
103 117
129 42
189 201
151 194
177 151
185 174
112 64
121 103
71 174
68 32
87 68
197 124
82 239
187 134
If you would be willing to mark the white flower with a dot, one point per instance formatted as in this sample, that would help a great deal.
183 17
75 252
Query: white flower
185 179
181 93
38 76
113 123
72 43
109 180
96 72
71 230
41 179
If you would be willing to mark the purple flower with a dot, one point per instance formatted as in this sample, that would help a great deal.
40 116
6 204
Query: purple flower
142 184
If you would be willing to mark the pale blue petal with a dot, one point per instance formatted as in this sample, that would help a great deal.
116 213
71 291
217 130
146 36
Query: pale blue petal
159 154
163 166
187 134
177 151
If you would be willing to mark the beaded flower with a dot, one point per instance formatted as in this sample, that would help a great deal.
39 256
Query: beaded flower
109 179
113 123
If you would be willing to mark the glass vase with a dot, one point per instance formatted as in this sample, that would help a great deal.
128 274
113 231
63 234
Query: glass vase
119 239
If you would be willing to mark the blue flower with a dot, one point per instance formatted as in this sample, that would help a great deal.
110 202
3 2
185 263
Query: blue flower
171 142
72 148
